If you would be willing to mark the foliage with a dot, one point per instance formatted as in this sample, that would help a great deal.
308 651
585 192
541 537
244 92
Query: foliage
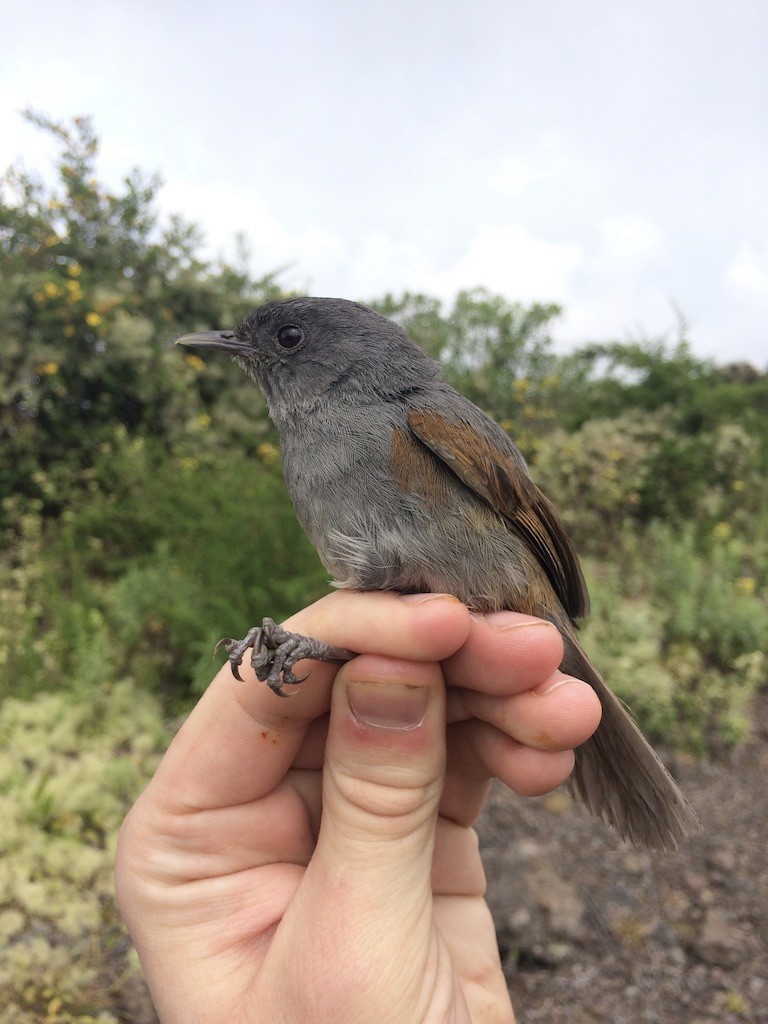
140 491
143 514
678 628
92 293
143 577
607 379
627 472
68 773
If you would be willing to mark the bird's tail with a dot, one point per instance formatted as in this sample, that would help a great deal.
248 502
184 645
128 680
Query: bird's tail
618 775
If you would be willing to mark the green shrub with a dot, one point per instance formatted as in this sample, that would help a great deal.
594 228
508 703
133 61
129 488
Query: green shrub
678 628
164 557
69 771
626 473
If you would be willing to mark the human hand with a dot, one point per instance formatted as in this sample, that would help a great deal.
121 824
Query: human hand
287 865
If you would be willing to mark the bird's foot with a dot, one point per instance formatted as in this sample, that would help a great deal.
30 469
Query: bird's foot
274 652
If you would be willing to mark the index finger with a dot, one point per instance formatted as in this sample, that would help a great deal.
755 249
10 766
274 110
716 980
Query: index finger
241 739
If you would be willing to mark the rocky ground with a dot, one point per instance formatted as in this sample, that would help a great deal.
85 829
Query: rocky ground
594 931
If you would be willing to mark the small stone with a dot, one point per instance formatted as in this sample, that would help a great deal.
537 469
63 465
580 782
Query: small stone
636 862
757 986
557 802
554 953
527 849
719 943
721 858
559 900
520 921
694 880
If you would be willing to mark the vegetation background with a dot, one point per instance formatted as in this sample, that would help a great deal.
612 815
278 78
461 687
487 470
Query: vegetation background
143 515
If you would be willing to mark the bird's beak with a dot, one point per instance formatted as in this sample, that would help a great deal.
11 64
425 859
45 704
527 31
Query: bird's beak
225 341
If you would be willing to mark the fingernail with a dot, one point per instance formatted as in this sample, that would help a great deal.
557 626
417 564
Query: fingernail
423 598
545 688
388 705
513 620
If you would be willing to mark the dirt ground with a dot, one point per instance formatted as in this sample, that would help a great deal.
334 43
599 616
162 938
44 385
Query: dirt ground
595 931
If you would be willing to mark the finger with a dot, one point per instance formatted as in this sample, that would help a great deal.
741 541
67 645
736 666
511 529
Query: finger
525 770
505 653
558 714
469 932
457 869
464 920
478 752
241 739
426 627
367 888
383 775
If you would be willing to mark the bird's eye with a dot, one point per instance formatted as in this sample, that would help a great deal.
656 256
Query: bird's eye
290 336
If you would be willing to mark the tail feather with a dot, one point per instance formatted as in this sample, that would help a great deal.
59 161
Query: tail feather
619 776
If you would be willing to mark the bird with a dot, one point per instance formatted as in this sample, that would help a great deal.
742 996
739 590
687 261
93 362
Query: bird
403 484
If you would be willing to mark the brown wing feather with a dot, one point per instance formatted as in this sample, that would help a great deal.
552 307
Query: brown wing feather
500 478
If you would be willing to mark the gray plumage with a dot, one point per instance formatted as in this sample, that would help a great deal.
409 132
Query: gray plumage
401 483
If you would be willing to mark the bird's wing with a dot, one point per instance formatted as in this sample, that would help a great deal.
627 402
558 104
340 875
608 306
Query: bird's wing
498 475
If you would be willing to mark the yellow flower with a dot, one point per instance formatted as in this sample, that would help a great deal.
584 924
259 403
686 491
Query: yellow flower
48 369
51 240
53 1008
74 269
195 362
268 453
722 531
69 331
746 585
203 421
51 289
92 319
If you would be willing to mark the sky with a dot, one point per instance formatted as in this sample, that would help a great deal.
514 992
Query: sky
606 155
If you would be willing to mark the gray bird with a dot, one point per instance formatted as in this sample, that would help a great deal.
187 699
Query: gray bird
402 483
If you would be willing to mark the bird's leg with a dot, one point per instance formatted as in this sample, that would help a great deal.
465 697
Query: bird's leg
275 651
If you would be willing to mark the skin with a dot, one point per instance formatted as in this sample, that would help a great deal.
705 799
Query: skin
246 905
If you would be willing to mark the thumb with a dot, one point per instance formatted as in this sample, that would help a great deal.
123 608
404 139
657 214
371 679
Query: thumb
383 775
369 880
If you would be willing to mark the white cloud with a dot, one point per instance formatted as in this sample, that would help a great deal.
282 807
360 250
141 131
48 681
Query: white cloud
514 176
622 286
507 258
747 274
631 241
542 159
224 212
527 176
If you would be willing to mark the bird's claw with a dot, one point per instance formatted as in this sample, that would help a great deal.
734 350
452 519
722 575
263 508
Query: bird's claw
275 651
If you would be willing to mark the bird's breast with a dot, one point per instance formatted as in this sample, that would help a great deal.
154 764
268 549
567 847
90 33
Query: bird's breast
385 514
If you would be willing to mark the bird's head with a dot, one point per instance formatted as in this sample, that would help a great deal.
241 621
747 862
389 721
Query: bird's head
303 352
